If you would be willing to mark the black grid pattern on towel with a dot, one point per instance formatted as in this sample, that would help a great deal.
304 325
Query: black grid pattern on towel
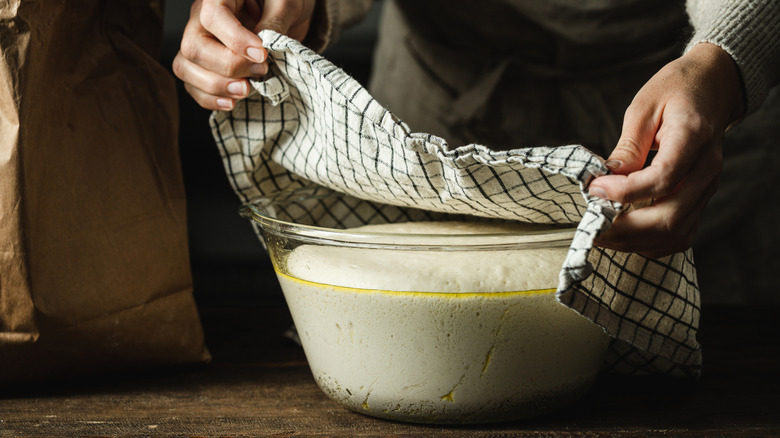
309 123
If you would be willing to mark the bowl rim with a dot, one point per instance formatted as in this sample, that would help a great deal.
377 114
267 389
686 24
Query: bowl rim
260 211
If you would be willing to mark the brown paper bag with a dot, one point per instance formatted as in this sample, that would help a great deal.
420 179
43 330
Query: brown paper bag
94 268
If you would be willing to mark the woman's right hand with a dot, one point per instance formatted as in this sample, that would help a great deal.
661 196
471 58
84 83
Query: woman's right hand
220 47
683 112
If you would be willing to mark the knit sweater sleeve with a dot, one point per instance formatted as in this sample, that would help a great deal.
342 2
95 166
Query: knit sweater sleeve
330 17
749 31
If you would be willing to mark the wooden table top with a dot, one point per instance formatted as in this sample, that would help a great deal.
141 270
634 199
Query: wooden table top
258 384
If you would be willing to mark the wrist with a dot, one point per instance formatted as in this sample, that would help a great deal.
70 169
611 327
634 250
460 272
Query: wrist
723 76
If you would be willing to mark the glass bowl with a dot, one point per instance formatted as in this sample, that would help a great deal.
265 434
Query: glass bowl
428 325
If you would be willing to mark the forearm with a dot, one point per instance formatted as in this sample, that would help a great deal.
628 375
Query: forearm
331 17
748 32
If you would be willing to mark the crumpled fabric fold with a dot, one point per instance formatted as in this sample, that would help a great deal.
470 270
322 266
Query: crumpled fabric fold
308 122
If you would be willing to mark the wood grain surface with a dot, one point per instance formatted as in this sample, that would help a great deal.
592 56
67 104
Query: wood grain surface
258 384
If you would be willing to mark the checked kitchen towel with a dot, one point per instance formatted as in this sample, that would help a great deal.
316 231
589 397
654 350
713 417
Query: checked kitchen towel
309 123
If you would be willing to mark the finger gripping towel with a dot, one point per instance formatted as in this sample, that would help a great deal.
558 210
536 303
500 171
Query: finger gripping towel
309 123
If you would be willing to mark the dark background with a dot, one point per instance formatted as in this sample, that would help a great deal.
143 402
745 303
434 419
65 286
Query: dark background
229 265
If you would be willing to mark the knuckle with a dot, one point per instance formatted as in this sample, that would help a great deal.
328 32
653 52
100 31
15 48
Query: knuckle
701 127
636 108
208 103
629 150
697 125
177 66
276 24
674 236
203 94
232 66
195 8
665 183
206 15
189 49
195 94
620 194
693 122
630 145
213 88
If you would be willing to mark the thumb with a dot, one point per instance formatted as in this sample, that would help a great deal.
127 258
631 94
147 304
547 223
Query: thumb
636 139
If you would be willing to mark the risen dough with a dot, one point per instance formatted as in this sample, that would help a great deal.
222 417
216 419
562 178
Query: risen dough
434 271
424 356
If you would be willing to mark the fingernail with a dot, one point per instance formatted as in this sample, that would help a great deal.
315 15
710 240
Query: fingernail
226 104
257 69
256 54
238 88
613 164
597 192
